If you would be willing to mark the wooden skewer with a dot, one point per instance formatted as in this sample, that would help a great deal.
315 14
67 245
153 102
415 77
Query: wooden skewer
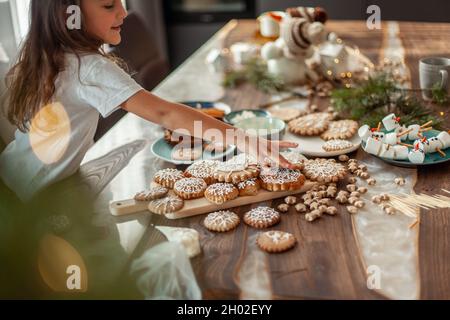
427 124
442 153
406 145
404 133
379 127
426 129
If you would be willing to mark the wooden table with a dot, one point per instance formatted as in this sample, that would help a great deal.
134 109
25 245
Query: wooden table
326 264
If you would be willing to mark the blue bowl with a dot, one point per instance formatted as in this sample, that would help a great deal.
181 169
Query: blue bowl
238 116
268 128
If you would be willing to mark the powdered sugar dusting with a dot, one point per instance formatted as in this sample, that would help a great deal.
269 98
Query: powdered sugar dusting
221 189
190 185
221 219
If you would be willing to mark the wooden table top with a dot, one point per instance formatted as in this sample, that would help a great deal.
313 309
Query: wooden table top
327 264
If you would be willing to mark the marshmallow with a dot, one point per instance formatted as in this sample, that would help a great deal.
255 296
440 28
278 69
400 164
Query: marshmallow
391 122
373 146
435 144
414 134
387 151
401 152
400 130
444 136
391 139
378 135
364 132
422 144
416 156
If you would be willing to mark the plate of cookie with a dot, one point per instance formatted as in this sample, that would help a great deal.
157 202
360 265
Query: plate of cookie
319 136
186 154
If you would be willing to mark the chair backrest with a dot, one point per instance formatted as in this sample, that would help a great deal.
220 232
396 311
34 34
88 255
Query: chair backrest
147 65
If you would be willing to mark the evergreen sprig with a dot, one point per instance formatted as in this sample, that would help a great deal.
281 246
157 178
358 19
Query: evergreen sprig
370 102
254 72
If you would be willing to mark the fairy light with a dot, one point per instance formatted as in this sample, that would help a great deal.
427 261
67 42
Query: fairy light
336 60
349 74
329 72
342 74
442 113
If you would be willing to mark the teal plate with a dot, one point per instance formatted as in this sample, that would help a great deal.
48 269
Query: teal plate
430 158
162 150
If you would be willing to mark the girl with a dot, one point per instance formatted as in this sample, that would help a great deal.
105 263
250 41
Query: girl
61 83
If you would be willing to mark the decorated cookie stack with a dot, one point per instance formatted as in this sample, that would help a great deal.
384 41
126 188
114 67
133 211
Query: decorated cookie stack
392 143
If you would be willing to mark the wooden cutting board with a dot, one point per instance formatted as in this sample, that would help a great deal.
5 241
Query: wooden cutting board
202 206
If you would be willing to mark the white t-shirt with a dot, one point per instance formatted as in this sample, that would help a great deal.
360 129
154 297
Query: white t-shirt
63 131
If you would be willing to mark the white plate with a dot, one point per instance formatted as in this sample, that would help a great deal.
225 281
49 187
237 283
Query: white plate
312 146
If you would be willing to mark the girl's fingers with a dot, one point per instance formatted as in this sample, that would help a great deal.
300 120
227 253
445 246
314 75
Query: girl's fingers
287 144
282 162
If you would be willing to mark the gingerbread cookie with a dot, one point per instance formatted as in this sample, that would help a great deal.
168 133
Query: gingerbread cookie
222 221
276 241
337 145
249 187
262 217
203 169
286 114
152 194
190 188
186 153
236 170
311 125
220 193
166 205
280 179
295 157
324 170
168 177
343 129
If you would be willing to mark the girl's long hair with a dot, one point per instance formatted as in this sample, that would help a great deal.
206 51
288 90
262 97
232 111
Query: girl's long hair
31 81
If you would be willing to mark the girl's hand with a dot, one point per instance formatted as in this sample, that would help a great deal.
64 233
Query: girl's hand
265 150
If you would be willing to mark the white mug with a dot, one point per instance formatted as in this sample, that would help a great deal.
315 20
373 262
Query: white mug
434 71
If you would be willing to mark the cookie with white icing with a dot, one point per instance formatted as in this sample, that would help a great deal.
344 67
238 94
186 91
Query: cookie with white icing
222 221
236 170
262 217
311 125
152 194
276 241
343 129
280 179
324 170
168 177
190 188
219 193
337 145
202 169
166 205
249 187
295 158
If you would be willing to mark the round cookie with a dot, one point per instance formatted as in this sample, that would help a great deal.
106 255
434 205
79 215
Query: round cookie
190 188
168 177
337 145
166 205
280 179
152 194
311 125
343 129
219 193
296 158
236 170
249 187
286 114
202 169
276 241
262 217
221 221
324 170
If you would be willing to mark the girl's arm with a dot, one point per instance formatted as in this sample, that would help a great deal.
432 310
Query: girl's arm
182 119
